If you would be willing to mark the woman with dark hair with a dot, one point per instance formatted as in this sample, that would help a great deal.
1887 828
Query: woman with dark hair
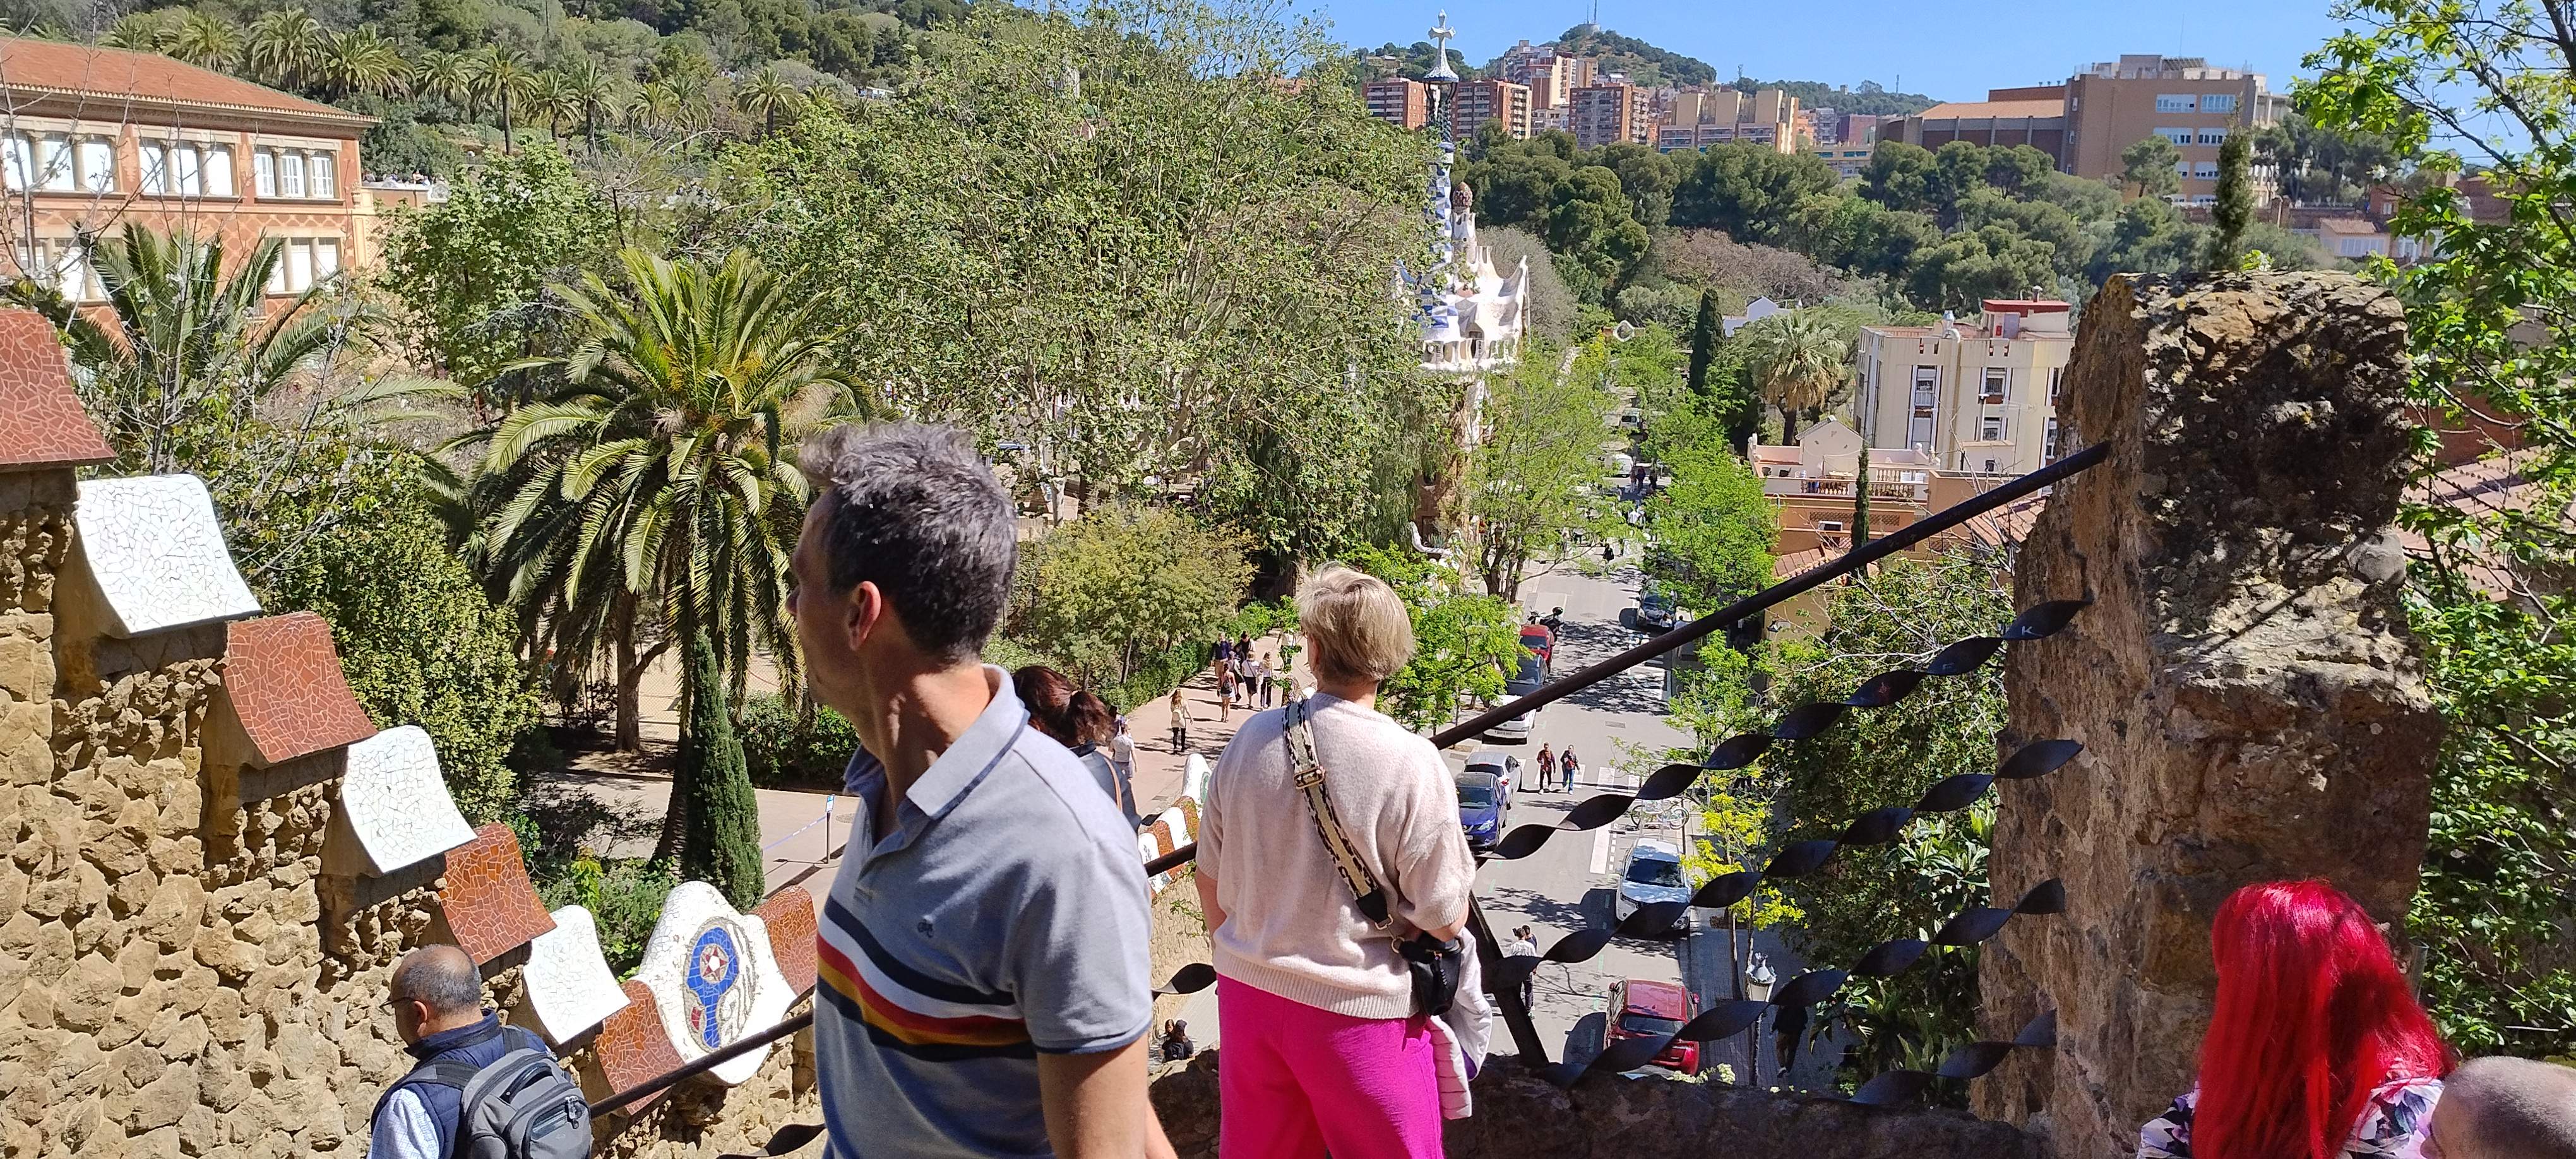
2317 1050
1079 721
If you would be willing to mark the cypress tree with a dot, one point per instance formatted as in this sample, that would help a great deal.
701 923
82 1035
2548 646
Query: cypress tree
1860 502
720 828
2235 206
1703 341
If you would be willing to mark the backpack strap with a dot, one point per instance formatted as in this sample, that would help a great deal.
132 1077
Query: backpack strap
1308 774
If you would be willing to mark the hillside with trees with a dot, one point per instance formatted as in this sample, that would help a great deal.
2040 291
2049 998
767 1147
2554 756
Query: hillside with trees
1644 63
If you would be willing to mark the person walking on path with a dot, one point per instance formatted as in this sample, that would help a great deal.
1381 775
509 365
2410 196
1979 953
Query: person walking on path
1324 1049
1122 756
1546 767
1269 680
984 981
1566 767
1225 692
437 1000
1180 723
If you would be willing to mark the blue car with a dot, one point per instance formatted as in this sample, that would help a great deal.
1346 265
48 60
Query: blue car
1483 798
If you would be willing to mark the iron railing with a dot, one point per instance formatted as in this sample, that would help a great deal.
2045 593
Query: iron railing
1516 1016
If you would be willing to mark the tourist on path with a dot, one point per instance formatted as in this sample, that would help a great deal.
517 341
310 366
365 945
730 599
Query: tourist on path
2317 1048
1122 755
1546 766
1079 721
1180 709
437 1000
1224 692
1324 1049
984 981
1566 766
1269 680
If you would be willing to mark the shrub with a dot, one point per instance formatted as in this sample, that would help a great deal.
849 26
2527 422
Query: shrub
786 748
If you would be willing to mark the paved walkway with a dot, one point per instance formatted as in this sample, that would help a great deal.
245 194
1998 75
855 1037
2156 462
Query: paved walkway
1160 770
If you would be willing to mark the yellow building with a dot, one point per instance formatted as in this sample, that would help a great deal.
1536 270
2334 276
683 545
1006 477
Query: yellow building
1980 398
1699 118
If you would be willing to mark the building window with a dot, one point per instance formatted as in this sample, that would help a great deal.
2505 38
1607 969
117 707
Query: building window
2205 170
61 264
187 169
2218 103
1990 466
2211 137
97 165
1918 426
2178 136
296 173
2356 247
57 163
302 262
2048 450
1990 429
1829 525
2175 102
1998 388
290 175
263 170
2056 380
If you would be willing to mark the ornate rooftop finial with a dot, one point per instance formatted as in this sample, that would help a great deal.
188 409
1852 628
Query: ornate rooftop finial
1440 35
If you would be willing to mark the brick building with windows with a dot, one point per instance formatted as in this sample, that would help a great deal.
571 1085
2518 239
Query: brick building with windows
94 138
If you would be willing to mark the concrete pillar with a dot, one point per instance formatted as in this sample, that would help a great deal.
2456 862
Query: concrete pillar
2250 703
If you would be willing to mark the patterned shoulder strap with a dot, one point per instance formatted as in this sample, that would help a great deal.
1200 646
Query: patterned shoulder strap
1299 733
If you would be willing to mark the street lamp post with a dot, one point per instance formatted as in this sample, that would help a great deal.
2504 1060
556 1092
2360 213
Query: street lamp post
1758 980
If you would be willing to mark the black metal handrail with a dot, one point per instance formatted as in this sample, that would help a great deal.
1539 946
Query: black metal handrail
1524 1031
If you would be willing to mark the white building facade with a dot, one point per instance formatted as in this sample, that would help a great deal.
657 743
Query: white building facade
1980 398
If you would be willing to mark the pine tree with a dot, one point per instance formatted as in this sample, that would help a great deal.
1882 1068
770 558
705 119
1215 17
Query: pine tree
1703 342
720 828
2235 206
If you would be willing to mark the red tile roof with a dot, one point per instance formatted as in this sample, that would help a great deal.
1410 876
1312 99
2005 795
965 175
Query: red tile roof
1971 110
2494 486
118 77
41 421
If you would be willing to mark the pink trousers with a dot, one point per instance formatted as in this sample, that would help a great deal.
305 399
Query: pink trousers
1298 1082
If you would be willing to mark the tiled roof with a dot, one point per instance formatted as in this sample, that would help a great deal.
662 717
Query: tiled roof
2491 486
1798 563
1969 110
41 421
2007 525
116 76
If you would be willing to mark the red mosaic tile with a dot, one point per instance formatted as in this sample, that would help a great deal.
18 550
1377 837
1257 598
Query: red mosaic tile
286 685
41 421
1162 837
489 902
789 914
633 1048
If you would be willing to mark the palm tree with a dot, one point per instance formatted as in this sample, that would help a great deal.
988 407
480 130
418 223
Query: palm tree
765 95
659 106
589 91
179 335
446 75
688 98
500 75
1798 357
286 46
142 32
654 487
359 61
206 40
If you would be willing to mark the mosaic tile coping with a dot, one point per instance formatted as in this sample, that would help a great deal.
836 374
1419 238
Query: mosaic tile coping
284 681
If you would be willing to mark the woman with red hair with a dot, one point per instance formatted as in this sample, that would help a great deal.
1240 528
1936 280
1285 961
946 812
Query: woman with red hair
2317 1050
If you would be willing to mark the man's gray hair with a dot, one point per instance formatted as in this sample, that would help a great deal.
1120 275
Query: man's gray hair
914 510
441 976
2508 1107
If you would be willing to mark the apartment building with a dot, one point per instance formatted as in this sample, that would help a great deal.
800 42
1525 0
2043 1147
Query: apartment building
94 138
1697 119
1602 113
1980 399
1399 101
1550 76
2033 116
1480 101
1848 159
2116 104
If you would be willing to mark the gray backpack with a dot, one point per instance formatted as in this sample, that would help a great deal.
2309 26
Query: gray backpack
523 1106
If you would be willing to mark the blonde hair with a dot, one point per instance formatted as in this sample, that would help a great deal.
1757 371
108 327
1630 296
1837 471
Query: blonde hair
1354 623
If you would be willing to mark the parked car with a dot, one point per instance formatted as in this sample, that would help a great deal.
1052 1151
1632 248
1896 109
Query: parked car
1532 675
1497 763
1654 874
1484 801
1644 1009
1655 609
1539 639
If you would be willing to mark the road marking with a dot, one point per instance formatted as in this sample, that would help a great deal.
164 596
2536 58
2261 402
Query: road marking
1601 851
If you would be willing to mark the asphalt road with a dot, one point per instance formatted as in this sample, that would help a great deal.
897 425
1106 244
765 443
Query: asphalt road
1621 729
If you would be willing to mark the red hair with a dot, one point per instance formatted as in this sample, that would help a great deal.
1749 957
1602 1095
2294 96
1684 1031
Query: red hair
2312 1014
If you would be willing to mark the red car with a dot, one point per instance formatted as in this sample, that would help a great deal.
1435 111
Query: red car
1643 1009
1538 639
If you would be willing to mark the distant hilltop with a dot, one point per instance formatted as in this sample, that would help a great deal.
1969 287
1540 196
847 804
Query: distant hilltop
1649 66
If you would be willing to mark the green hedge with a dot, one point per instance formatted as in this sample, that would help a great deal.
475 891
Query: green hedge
785 749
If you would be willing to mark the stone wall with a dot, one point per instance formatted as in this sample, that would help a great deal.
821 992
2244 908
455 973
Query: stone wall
2251 706
193 949
1519 1116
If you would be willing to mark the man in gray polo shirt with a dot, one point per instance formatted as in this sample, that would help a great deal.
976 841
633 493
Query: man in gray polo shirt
985 987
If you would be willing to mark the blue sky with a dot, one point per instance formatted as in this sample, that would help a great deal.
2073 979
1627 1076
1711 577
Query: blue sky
1947 51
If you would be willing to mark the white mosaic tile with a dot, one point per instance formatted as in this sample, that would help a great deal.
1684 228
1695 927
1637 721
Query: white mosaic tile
714 977
568 984
1150 849
396 802
158 552
1194 778
1180 826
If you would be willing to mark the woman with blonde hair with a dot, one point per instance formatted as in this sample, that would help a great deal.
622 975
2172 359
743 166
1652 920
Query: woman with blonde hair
1326 1046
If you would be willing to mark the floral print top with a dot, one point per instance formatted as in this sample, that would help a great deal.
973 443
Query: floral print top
2392 1126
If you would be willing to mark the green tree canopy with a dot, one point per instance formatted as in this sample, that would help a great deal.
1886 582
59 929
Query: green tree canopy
1124 584
2148 166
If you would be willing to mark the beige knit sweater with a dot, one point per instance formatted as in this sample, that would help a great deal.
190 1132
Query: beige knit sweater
1291 925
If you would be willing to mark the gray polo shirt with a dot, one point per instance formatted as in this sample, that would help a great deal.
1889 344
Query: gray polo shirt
1002 917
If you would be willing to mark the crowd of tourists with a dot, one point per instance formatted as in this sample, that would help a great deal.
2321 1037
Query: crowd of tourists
984 983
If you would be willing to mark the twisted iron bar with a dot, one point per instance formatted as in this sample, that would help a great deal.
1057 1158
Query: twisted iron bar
1807 720
1975 1060
1732 1017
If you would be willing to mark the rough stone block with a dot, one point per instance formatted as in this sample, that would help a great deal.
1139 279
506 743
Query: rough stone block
2250 704
394 805
568 986
157 553
713 977
490 904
